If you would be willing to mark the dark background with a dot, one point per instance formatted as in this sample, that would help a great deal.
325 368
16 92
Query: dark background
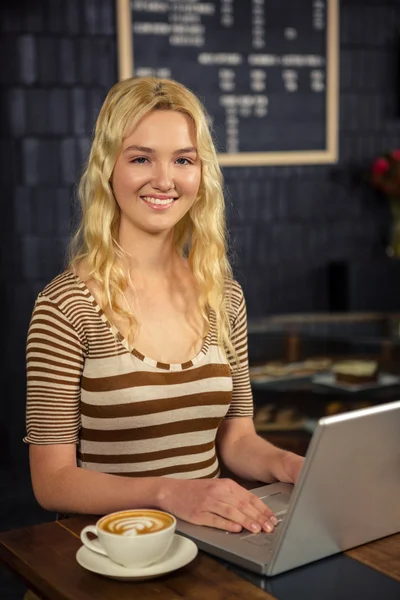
287 224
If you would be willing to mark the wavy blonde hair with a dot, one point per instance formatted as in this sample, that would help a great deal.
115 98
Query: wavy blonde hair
200 235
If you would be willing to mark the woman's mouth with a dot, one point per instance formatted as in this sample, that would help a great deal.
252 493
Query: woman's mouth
158 203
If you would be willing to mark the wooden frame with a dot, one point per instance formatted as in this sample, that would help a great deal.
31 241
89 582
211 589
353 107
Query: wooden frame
326 156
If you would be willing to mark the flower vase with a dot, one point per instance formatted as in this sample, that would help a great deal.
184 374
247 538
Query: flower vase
393 248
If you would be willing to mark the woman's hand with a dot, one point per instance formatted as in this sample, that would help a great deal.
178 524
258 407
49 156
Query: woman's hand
219 503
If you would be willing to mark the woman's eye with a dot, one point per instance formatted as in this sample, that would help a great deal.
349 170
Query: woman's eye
139 160
183 161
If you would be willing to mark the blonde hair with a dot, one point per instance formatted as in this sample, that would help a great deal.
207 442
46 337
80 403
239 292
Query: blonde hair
201 233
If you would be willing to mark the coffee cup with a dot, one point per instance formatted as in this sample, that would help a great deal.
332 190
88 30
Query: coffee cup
132 538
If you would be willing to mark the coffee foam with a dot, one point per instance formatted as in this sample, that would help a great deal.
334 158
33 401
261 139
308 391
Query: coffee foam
136 523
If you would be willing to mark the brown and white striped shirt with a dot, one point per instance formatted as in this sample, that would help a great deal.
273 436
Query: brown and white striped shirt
128 414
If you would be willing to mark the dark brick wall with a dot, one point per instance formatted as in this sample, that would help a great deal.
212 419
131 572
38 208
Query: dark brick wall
57 61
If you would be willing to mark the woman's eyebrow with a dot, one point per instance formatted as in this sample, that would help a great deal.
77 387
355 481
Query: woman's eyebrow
188 150
139 149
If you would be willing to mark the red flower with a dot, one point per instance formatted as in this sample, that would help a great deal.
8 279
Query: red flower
380 166
385 173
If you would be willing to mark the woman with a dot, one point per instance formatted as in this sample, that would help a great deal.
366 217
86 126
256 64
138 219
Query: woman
138 379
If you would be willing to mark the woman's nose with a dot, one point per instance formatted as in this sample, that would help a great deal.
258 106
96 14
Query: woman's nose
162 178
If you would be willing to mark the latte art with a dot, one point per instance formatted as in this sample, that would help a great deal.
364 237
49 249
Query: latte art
133 523
132 538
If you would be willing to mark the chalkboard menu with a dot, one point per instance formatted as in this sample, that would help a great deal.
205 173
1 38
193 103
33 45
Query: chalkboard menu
265 70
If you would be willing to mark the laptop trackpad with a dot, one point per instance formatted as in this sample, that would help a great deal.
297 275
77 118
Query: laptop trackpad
277 502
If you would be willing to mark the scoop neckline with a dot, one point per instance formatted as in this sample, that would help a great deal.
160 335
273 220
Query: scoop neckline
131 349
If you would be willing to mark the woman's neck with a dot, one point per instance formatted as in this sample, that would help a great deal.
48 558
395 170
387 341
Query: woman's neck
148 257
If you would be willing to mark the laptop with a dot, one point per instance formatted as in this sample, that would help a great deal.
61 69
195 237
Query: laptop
347 494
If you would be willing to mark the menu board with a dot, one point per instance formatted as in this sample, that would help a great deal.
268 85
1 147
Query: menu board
265 70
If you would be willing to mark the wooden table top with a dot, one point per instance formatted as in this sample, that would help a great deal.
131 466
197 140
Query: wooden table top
44 557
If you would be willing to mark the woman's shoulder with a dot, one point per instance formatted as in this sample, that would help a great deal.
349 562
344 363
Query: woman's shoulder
234 296
65 288
234 291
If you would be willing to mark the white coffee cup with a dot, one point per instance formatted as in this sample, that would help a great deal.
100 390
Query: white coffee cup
132 538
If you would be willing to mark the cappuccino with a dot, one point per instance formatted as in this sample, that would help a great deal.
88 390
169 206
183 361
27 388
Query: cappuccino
136 522
132 538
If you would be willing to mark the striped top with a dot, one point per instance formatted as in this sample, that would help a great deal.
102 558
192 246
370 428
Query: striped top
128 414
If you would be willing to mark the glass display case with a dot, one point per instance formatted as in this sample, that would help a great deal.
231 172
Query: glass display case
293 363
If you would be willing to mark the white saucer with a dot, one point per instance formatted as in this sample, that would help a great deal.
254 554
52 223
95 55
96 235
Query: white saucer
182 552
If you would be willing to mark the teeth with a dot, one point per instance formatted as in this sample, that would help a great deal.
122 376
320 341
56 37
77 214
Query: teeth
151 200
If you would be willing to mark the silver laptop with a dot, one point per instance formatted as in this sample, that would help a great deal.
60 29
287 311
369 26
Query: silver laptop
347 494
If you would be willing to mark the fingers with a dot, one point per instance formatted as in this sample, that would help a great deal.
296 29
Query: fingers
250 517
254 510
244 508
244 518
219 522
230 518
265 512
223 504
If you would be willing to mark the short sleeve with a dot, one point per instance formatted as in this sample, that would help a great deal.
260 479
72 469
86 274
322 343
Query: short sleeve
242 398
55 359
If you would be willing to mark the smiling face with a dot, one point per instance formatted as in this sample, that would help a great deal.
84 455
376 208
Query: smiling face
157 175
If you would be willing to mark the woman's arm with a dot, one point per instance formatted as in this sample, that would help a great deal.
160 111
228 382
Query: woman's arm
251 457
60 485
243 452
